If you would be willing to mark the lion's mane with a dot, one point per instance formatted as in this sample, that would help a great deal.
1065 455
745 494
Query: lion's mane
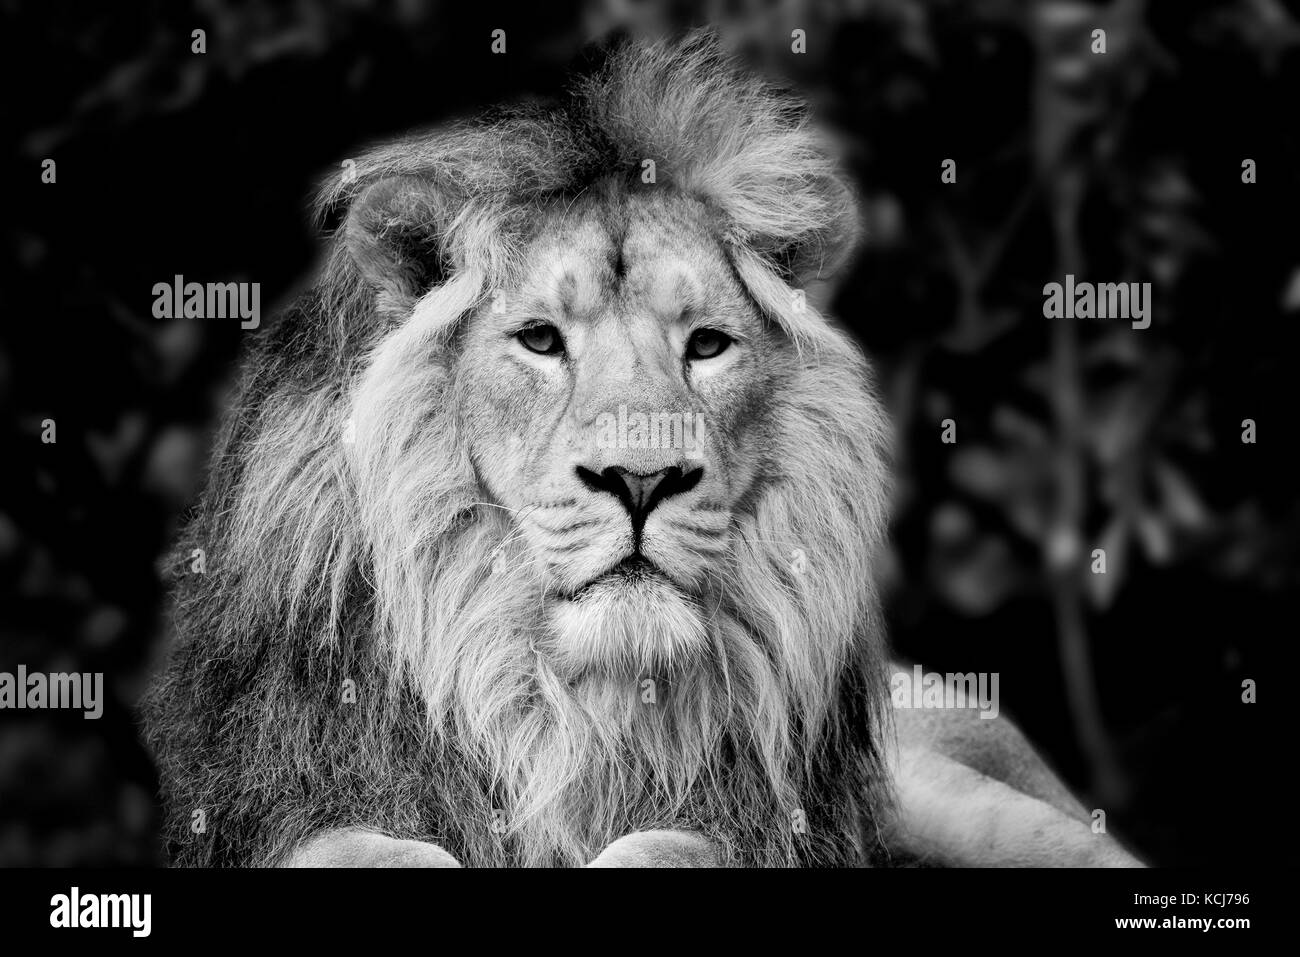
359 649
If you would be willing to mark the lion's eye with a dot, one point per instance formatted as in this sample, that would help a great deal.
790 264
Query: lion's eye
706 343
542 338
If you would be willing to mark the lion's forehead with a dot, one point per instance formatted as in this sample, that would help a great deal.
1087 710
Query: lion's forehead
655 257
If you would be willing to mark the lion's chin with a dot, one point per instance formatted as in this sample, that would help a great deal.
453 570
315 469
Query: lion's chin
631 627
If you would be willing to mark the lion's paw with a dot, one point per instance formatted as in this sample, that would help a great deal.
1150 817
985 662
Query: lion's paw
356 848
658 849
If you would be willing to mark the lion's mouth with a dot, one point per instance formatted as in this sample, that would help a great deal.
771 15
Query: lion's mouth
632 570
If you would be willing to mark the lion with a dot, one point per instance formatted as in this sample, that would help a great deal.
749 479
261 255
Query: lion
542 530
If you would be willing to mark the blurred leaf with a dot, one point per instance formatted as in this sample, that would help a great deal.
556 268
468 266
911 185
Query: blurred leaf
1155 538
1180 501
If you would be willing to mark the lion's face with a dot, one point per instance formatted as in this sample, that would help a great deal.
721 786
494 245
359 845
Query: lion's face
614 402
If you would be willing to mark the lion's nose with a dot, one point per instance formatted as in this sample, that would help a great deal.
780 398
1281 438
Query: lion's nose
641 493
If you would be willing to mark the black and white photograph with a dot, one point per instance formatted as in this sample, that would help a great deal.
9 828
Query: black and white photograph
840 436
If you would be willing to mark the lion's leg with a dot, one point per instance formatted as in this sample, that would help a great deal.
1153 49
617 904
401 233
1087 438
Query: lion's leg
355 847
963 778
658 849
951 814
994 747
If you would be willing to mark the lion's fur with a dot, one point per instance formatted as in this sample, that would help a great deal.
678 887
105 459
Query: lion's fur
370 561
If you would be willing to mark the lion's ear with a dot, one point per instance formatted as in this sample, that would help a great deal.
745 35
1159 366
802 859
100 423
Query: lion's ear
787 200
812 253
394 232
821 256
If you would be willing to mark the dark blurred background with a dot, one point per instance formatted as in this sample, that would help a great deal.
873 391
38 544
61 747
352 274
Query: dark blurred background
1072 435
